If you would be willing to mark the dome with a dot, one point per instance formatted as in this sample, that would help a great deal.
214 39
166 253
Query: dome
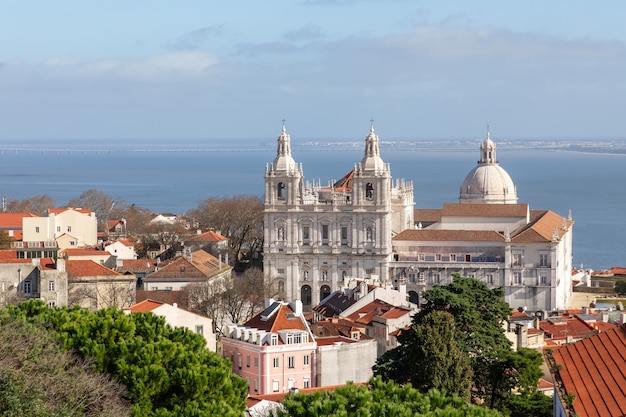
488 182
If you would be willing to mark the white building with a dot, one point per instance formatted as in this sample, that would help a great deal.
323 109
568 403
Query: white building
490 237
122 249
315 236
364 226
69 227
179 317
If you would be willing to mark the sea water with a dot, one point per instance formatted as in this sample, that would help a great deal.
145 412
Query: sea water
173 177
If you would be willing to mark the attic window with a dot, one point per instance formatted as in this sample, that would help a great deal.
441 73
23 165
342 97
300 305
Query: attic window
182 269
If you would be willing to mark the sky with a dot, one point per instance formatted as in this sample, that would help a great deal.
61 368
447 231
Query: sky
225 70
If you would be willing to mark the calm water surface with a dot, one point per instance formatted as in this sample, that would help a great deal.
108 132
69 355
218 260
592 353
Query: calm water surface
175 179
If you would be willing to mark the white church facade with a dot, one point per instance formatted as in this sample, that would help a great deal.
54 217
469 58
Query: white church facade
365 226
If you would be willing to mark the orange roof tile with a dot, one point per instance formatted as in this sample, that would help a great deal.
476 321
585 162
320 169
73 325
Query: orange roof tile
542 227
593 370
329 341
145 305
13 220
427 215
282 319
83 252
210 236
484 210
61 210
87 268
427 235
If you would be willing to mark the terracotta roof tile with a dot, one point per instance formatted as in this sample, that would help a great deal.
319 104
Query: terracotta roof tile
593 370
168 297
83 252
484 210
282 319
426 215
330 340
145 305
427 235
210 236
87 268
541 228
13 220
61 210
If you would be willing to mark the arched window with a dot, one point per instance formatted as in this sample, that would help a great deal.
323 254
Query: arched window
324 292
414 297
281 191
305 295
369 191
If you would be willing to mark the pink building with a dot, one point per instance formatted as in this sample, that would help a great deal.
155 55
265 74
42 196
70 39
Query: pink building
274 351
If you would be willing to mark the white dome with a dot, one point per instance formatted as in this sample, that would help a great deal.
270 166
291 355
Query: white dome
488 182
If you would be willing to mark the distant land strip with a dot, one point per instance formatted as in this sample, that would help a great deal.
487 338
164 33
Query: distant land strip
588 146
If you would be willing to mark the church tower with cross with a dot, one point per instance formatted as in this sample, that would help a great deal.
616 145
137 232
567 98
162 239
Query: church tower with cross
318 237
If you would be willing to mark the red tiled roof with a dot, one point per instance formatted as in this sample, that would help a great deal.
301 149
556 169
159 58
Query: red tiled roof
542 227
427 215
564 327
427 235
145 305
167 297
47 264
210 236
365 314
61 210
200 264
87 268
13 220
593 370
484 210
283 319
395 312
83 252
618 270
8 254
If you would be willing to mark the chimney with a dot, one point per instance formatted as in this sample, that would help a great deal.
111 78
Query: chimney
296 306
269 302
175 305
61 264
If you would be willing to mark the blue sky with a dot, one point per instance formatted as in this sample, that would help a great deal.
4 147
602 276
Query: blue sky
210 70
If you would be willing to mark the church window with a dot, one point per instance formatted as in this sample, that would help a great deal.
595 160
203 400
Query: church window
325 233
369 191
281 191
305 233
344 235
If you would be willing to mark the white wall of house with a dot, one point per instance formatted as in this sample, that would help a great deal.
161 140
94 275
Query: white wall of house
178 317
121 251
80 225
341 362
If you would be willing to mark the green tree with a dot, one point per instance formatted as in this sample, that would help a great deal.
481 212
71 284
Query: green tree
478 313
380 398
168 371
620 287
39 378
433 359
